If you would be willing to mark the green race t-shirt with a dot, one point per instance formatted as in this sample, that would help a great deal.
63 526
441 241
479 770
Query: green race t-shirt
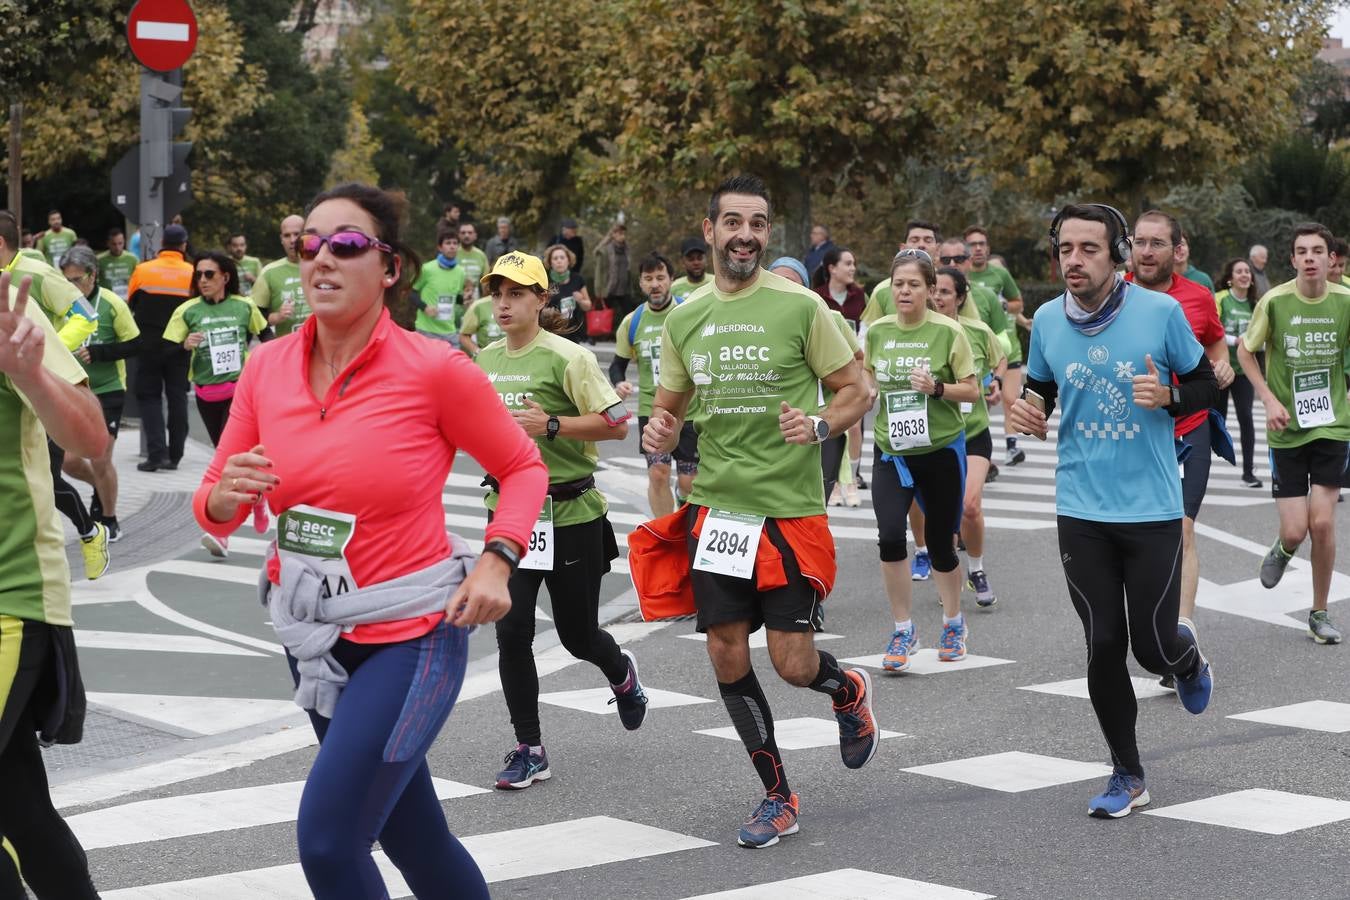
986 351
1235 315
1199 277
1305 341
227 325
1001 282
114 272
743 354
564 379
440 289
116 325
277 284
682 287
983 304
850 338
54 244
646 346
50 289
909 422
250 267
879 303
480 324
34 576
474 262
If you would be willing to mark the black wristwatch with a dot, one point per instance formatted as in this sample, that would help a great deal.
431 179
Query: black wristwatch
938 388
502 549
1175 406
999 380
554 426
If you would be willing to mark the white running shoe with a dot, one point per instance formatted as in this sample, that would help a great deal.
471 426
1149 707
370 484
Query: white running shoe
217 547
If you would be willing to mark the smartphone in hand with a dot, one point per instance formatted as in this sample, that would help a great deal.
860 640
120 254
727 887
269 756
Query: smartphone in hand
1035 400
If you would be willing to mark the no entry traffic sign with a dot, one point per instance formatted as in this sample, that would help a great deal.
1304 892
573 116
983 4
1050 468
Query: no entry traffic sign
162 33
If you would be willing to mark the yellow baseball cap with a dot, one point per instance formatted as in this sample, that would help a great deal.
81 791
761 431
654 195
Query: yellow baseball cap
522 268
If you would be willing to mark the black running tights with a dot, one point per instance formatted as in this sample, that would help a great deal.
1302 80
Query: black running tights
67 498
1125 582
579 562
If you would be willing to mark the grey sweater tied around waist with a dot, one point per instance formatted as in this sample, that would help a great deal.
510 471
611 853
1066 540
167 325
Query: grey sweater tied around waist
309 624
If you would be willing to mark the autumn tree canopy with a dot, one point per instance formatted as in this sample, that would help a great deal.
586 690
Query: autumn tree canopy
1119 98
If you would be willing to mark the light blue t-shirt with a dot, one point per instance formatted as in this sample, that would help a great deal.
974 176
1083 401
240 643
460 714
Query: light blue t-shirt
1117 461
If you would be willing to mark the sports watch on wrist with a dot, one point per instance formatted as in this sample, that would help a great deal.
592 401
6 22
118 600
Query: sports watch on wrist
502 549
820 429
938 388
1175 403
553 427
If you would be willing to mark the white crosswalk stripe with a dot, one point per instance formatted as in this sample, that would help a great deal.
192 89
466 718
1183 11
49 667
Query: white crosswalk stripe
1022 499
503 856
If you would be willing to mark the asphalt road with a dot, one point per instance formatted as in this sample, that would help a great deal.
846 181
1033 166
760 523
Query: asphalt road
189 783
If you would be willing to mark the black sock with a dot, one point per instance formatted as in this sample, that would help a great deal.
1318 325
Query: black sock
832 680
750 714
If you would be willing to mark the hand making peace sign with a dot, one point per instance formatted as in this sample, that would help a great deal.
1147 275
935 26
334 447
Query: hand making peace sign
21 340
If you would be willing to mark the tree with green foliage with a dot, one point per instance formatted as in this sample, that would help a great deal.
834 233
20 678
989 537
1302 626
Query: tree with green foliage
264 126
813 99
426 167
1115 98
46 42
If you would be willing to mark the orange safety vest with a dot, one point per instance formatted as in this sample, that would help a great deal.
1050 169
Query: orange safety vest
167 274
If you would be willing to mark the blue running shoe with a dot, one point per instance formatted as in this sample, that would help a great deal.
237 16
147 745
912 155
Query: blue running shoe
920 567
1123 793
900 650
774 818
952 644
631 702
1194 692
523 768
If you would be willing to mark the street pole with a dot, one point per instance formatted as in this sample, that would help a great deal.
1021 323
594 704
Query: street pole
16 161
154 163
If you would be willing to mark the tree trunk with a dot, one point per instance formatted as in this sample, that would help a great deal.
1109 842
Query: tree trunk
791 206
16 161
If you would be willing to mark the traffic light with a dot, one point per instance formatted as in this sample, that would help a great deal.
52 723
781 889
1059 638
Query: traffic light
155 171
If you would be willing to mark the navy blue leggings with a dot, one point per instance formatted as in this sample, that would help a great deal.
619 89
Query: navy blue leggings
370 779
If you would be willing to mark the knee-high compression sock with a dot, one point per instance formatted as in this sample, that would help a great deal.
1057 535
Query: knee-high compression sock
750 714
832 680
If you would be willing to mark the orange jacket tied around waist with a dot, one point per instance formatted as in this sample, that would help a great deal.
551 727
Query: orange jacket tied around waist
658 559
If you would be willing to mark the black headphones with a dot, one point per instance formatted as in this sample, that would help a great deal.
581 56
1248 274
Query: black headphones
1119 236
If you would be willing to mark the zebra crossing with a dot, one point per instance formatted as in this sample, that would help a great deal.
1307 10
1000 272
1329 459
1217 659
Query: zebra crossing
1022 498
176 809
547 842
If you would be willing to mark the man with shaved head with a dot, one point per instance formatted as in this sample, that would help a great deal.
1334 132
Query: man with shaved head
278 292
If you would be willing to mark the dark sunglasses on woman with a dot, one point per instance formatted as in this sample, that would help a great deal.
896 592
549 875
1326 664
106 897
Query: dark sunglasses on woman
342 244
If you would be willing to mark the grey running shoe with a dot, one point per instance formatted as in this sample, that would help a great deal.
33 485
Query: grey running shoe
1273 566
1321 629
978 582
